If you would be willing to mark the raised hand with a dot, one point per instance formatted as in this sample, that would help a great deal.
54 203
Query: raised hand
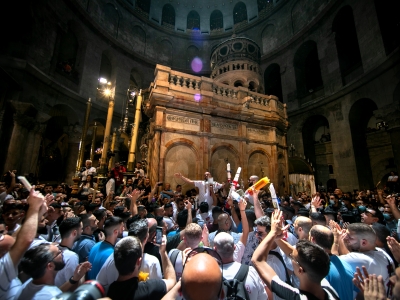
316 201
81 270
359 278
188 205
35 199
394 246
242 205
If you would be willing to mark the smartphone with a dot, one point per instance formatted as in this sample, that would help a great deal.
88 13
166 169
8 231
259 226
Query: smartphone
201 223
160 184
210 180
159 234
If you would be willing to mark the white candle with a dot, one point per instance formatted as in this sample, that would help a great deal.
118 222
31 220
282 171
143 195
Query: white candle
228 170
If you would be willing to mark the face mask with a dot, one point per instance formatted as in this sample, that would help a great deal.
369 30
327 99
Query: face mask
361 208
387 216
59 265
332 201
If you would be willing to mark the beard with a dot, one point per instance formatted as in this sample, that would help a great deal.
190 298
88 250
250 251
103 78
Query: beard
59 265
353 247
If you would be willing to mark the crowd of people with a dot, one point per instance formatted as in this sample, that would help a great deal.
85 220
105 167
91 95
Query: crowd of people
140 241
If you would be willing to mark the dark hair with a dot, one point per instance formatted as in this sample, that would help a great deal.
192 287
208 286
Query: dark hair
85 220
381 232
99 214
139 229
317 217
251 216
216 211
313 259
160 221
110 224
264 221
168 205
35 260
126 253
181 218
322 238
68 225
203 207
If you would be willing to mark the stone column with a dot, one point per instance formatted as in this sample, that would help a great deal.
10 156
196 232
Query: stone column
16 149
155 159
32 148
74 134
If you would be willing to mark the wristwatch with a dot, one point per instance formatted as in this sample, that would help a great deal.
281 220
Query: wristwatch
71 281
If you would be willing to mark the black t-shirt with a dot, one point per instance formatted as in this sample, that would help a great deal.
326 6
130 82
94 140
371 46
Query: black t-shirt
285 291
133 289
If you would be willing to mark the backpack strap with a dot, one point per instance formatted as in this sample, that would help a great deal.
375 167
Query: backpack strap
279 256
242 273
174 256
331 292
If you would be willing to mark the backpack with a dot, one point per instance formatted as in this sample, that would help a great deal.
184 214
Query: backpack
279 256
236 286
174 255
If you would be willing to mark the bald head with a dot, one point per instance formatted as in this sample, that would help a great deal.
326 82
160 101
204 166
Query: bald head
152 224
322 236
225 246
201 271
302 226
224 222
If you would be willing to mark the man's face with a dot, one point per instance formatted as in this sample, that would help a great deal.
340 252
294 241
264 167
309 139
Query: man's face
252 180
207 175
79 232
388 210
351 241
368 217
97 201
88 164
12 216
167 186
261 232
338 192
90 197
121 230
129 182
93 223
147 181
159 212
58 260
179 189
169 212
226 224
116 165
181 205
48 189
359 202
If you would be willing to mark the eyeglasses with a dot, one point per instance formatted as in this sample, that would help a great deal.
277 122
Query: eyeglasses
58 253
260 233
207 250
368 211
293 259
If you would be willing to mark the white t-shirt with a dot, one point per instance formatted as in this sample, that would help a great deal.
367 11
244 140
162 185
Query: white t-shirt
9 282
375 262
30 291
169 222
206 217
71 261
239 251
109 273
204 191
254 285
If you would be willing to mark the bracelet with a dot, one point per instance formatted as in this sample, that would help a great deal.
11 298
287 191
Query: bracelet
71 281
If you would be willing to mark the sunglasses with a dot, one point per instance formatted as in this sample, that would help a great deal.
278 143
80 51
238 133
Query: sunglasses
260 233
293 259
207 250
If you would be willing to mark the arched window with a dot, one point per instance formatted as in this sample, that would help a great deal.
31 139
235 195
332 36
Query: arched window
67 55
216 20
105 68
144 5
264 5
389 23
272 81
239 13
347 45
168 15
193 20
307 69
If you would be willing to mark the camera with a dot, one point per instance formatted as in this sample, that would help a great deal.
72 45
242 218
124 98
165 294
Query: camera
90 290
